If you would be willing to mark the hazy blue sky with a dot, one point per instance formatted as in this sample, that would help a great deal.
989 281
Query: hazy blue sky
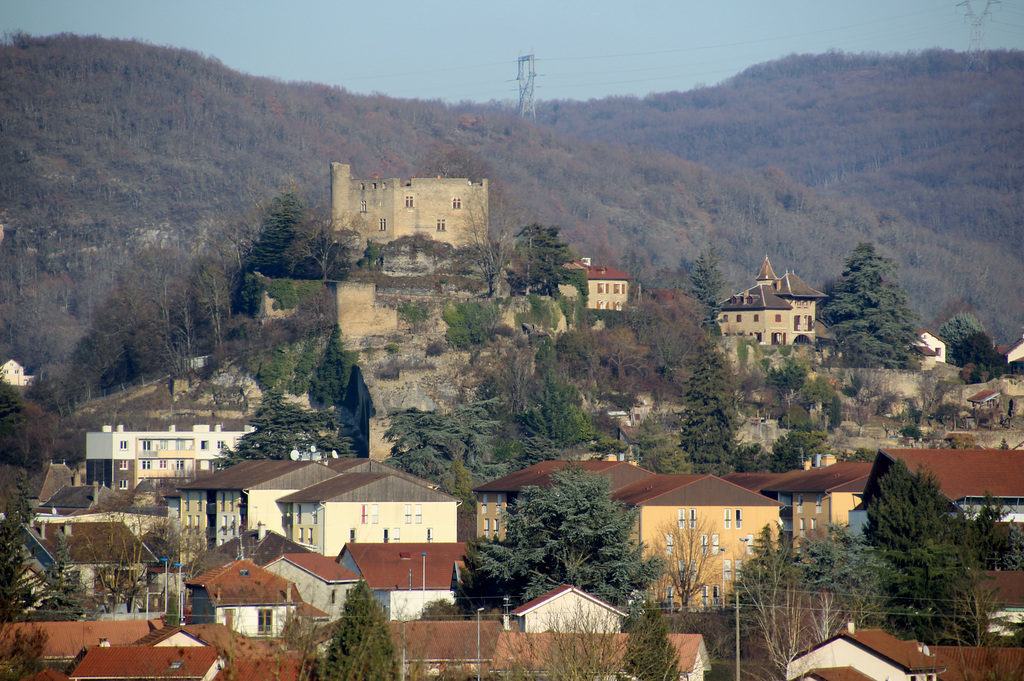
460 50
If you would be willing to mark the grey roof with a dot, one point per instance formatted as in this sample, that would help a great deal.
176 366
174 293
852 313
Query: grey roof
85 496
367 487
248 544
264 474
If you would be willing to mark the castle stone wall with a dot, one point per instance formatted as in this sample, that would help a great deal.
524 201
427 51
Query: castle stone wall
358 311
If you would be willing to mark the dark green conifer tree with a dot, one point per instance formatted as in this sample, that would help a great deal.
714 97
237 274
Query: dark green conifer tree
281 426
270 254
650 656
546 255
709 423
15 589
61 589
361 648
707 284
331 379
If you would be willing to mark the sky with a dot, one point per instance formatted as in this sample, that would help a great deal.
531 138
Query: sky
461 50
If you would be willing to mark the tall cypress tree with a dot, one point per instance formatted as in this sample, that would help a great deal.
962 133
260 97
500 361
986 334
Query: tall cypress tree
361 648
15 591
270 254
62 592
706 285
708 429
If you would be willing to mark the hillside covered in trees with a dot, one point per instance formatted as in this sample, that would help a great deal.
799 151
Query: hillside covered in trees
112 149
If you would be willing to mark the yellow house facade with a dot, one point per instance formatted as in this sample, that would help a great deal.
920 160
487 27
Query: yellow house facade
775 311
704 527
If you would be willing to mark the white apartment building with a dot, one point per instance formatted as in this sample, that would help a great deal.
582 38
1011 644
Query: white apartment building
120 458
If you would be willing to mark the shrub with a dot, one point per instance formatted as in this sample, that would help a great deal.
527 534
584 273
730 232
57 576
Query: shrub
912 431
392 348
414 314
389 372
436 348
469 323
284 294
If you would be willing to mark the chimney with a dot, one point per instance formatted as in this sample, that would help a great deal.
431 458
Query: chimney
120 429
172 428
42 530
261 531
68 529
289 592
104 643
505 622
851 628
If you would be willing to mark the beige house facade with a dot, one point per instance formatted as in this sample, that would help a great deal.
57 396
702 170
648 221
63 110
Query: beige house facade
453 210
704 527
775 311
13 373
607 287
567 610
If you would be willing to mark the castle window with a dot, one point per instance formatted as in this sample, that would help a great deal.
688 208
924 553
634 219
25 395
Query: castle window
757 318
725 318
440 225
383 224
739 318
408 202
778 318
362 206
618 306
374 185
457 203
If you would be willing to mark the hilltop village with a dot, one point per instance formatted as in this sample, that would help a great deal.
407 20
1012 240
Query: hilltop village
466 451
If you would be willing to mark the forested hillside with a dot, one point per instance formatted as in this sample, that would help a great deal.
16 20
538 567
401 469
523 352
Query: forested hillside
112 148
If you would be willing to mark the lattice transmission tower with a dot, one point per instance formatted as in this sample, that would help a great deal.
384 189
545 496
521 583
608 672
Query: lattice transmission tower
975 55
527 72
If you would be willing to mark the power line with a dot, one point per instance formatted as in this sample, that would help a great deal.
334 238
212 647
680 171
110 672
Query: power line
527 72
975 55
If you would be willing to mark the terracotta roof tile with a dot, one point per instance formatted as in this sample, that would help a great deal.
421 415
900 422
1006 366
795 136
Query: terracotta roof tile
1008 586
836 674
539 475
966 663
48 675
968 472
249 545
984 396
601 272
386 566
243 582
276 668
700 490
555 593
823 479
529 651
248 474
445 640
908 654
137 662
68 639
322 566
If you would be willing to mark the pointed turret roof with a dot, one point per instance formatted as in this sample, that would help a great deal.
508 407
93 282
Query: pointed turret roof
766 273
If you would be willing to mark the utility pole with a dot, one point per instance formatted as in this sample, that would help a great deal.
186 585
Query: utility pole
527 72
975 56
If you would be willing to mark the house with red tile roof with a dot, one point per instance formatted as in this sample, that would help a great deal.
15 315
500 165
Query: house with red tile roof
1007 588
433 648
246 598
871 653
493 498
66 640
965 476
323 582
406 577
567 609
607 287
811 498
931 347
775 311
139 663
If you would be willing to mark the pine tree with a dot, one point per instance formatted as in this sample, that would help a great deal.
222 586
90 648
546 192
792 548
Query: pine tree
61 588
331 379
547 255
270 255
558 416
281 426
708 429
361 648
15 589
650 656
706 284
869 313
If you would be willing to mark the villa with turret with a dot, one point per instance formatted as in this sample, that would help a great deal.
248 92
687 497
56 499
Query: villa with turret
775 311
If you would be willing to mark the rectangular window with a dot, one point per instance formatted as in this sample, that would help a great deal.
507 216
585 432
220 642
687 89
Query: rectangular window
419 514
179 464
600 288
124 444
750 544
352 534
265 622
714 545
801 527
728 519
799 503
365 516
496 521
122 484
221 444
316 516
817 505
487 527
408 202
440 225
814 524
123 465
498 502
669 544
757 318
739 518
373 513
430 534
716 595
739 317
147 445
146 464
727 570
681 523
163 464
204 444
669 593
457 203
408 514
778 318
395 534
302 534
704 596
693 519
483 504
387 535
739 566
383 224
298 514
362 206
703 545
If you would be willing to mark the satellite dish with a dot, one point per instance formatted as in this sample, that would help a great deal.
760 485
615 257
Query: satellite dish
312 448
334 453
294 455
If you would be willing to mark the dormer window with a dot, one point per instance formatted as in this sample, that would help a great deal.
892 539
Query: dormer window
243 573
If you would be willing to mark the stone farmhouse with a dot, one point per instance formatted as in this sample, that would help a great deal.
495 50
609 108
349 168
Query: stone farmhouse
607 287
451 210
775 311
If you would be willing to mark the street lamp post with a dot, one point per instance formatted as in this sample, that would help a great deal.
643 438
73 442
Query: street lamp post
181 619
165 561
478 665
743 551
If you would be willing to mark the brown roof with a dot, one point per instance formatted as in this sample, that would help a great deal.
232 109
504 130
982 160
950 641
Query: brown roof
243 582
367 487
323 567
249 545
795 287
694 490
437 641
603 272
984 396
908 654
755 482
146 662
276 668
100 542
825 479
1008 586
48 675
766 271
386 566
967 663
67 639
968 472
836 674
760 297
264 472
555 593
619 473
533 651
